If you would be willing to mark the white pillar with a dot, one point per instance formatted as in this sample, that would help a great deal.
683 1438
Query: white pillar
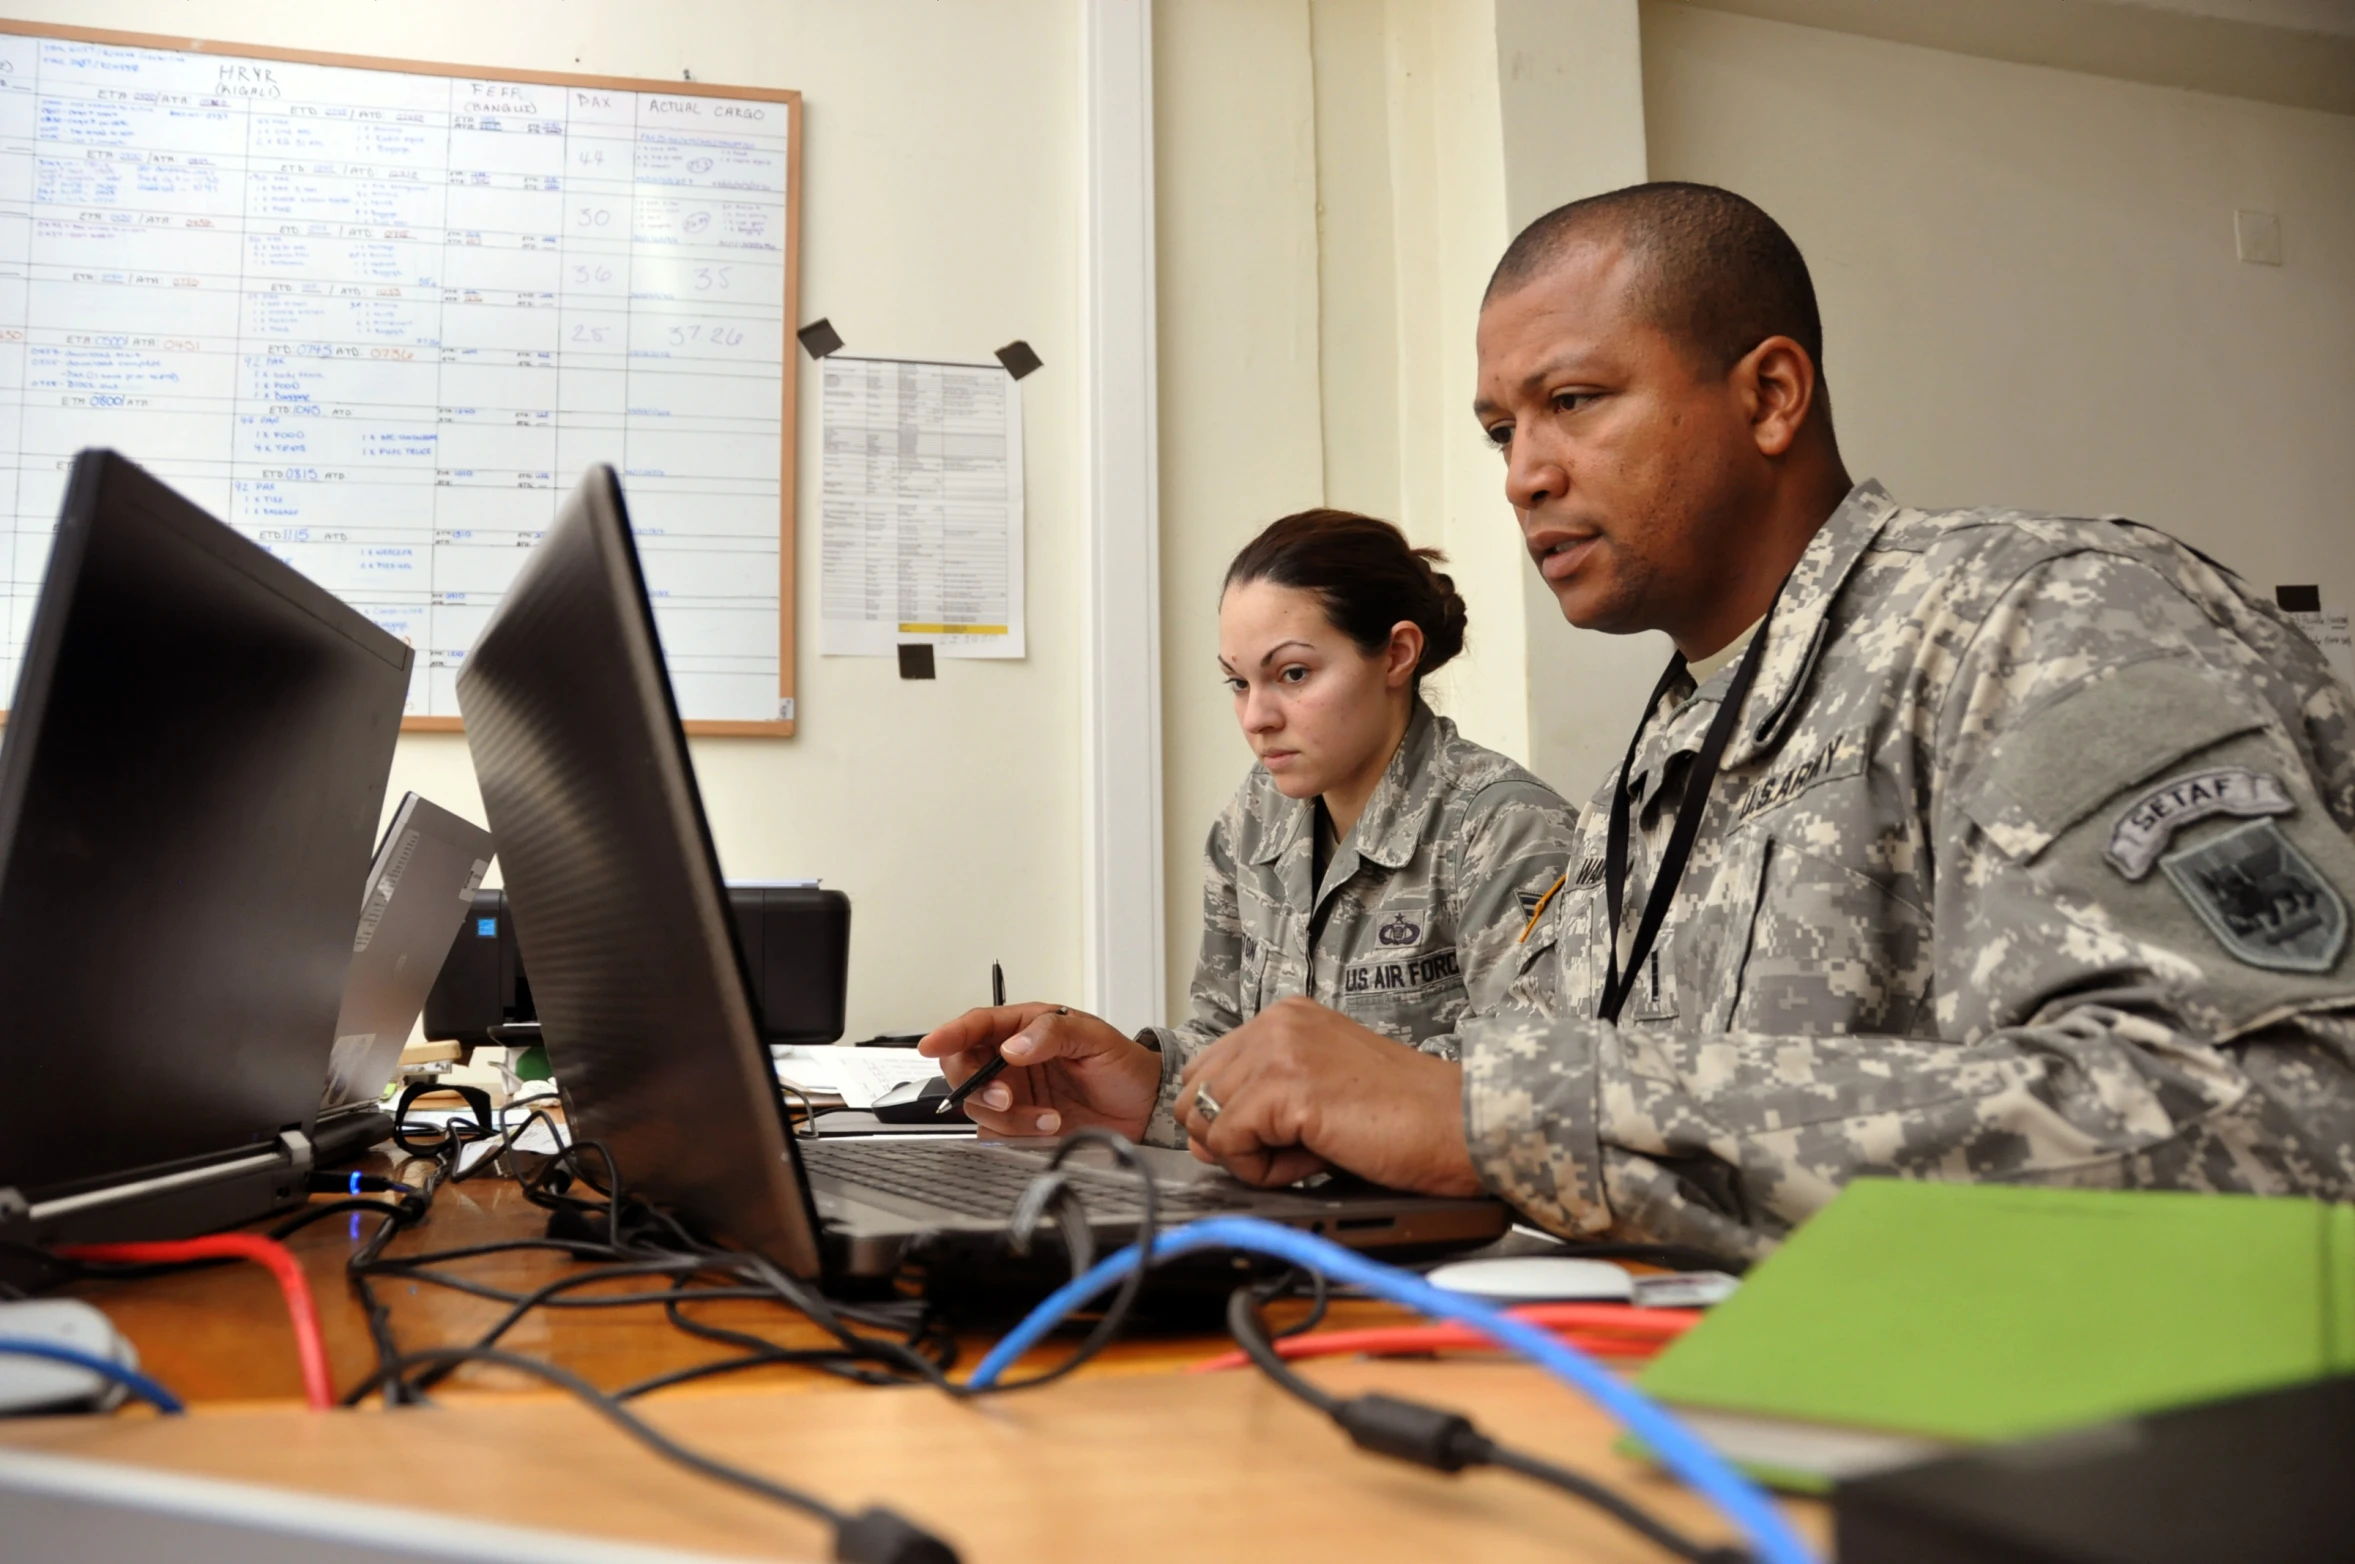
1570 87
1121 688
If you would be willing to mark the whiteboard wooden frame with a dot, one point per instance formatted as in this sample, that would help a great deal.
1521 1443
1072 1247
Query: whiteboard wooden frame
790 97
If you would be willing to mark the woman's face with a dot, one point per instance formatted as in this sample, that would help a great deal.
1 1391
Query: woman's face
1316 710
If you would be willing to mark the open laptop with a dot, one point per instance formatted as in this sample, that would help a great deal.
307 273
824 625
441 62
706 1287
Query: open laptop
642 993
420 892
195 759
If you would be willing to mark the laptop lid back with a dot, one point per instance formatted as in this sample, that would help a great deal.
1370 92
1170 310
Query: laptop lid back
420 890
615 889
191 776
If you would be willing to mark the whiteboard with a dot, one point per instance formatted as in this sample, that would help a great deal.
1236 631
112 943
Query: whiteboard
379 316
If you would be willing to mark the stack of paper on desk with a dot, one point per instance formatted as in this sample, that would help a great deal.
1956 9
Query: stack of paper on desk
854 1077
1909 1317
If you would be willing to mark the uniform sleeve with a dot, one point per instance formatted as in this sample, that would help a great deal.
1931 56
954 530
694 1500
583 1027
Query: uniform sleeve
1514 843
1215 996
2139 931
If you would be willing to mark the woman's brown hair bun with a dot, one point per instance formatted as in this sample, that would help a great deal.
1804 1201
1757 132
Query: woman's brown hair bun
1367 575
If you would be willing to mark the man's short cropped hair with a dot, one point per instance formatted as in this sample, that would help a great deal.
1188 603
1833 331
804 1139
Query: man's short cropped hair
1713 271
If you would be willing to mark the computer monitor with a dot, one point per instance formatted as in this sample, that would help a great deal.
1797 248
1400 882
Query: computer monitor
420 889
190 781
619 911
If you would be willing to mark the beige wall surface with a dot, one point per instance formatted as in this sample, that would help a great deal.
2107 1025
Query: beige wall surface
1336 180
939 203
1330 197
2029 284
1236 266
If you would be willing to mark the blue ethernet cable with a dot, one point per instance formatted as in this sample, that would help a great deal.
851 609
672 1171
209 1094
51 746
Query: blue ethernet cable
1680 1451
105 1368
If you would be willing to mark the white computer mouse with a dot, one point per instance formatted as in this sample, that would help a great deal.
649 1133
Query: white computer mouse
1537 1278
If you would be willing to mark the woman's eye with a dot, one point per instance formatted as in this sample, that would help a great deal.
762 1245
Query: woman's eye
1499 435
1236 685
1294 674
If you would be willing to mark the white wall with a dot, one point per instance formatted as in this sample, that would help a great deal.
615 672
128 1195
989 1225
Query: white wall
1241 417
940 191
1337 179
2028 278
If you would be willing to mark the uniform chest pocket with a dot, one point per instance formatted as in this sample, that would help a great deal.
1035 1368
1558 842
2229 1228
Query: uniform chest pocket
1251 989
1407 994
1830 950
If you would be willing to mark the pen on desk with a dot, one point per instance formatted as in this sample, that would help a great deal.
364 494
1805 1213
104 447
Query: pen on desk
988 1072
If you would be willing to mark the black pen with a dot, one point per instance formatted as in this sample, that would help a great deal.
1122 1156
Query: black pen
988 1072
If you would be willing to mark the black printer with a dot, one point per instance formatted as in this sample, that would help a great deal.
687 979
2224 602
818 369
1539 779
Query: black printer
795 939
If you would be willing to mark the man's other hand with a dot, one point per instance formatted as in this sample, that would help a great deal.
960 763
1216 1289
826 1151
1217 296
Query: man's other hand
1299 1088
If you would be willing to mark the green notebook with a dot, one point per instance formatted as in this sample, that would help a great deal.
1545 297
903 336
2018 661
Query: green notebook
1907 1317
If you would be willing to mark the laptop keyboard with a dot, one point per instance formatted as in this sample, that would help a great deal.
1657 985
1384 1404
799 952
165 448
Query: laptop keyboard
972 1180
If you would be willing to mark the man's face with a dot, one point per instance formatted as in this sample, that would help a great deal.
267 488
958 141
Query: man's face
1627 466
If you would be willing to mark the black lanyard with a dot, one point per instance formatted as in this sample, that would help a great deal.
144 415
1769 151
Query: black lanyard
1689 809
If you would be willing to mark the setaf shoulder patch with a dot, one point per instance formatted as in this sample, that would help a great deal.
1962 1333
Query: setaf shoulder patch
2262 899
2151 821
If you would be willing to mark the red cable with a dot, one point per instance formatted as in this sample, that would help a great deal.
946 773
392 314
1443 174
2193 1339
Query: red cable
1611 1329
302 1311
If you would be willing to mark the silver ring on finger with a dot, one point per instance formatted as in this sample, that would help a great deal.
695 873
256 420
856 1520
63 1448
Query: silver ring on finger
1206 1105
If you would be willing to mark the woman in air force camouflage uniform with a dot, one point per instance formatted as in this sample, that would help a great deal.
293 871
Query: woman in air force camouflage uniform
1374 860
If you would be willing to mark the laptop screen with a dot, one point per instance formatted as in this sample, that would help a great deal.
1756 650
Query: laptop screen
195 758
615 890
420 889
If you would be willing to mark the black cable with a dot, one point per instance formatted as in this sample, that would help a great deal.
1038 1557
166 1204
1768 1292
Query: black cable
497 1156
1115 1315
399 1211
873 1536
1448 1441
801 1357
638 1240
1284 1284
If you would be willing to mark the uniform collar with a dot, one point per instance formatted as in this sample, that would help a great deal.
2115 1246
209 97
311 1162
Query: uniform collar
1393 820
1802 617
1675 724
1392 823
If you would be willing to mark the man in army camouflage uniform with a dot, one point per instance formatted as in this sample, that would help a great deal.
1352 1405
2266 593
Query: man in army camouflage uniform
2024 857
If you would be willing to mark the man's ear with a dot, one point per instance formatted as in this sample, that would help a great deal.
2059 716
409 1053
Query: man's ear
1777 382
1402 654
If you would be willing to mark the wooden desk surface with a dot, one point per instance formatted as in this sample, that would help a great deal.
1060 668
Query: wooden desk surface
219 1335
1128 1460
1139 1469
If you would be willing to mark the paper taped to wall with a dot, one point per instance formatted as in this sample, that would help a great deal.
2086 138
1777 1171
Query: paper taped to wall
921 521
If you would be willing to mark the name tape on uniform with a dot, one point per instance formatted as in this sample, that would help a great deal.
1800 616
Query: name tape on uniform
1405 975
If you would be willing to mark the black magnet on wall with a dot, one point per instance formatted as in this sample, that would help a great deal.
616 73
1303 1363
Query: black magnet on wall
2298 599
1018 358
819 338
915 661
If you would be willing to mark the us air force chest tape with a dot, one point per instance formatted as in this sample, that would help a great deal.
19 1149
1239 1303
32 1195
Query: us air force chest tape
1396 968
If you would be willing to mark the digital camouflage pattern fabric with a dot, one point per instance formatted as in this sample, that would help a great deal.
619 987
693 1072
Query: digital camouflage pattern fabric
2028 862
1419 911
